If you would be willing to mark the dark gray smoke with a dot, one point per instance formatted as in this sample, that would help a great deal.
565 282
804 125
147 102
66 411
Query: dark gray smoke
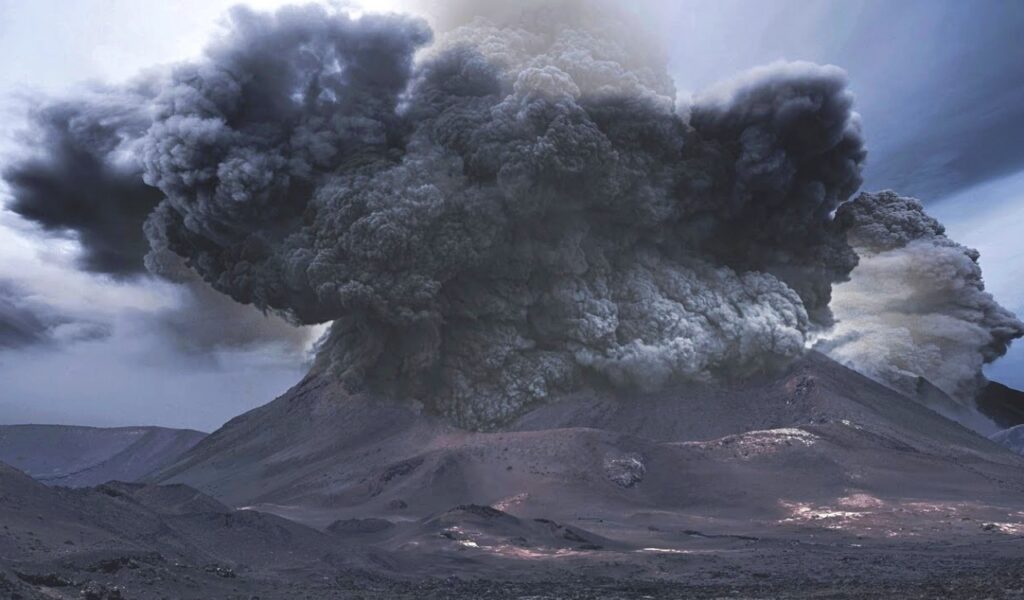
81 175
81 178
523 211
916 306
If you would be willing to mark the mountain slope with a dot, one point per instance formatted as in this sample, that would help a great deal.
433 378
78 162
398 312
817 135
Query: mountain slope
812 480
814 434
75 456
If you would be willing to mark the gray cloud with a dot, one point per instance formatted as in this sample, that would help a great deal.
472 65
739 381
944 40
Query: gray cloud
26 321
19 324
532 214
916 306
959 135
928 138
525 210
203 321
78 176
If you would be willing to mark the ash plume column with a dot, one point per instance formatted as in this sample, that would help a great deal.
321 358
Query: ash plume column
518 209
916 306
522 212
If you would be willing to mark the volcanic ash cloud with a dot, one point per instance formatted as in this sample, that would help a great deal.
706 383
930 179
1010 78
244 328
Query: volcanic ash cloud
916 305
519 212
516 210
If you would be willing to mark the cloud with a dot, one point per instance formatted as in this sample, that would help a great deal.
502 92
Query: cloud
201 321
77 176
916 305
27 321
953 137
521 212
521 209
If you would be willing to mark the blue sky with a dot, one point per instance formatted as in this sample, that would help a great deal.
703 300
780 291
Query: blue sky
938 85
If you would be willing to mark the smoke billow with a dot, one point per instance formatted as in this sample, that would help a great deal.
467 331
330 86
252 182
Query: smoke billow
514 214
916 305
81 176
515 210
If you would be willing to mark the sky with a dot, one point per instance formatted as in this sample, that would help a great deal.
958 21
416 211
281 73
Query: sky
938 87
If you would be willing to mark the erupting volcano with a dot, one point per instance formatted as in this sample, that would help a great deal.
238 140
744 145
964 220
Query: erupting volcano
579 327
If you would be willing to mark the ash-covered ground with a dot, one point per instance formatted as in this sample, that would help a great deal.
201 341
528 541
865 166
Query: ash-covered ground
815 482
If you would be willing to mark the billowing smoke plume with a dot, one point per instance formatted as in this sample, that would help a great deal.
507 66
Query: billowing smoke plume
81 175
519 212
916 305
520 209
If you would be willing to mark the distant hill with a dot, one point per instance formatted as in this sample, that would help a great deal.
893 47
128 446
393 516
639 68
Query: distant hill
1002 404
84 456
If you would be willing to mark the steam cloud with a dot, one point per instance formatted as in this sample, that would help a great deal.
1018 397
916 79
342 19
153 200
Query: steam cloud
523 210
916 305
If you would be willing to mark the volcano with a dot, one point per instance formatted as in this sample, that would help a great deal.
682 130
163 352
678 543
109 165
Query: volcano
810 478
816 433
756 468
567 314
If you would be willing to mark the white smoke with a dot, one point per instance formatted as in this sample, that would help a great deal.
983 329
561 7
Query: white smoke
915 306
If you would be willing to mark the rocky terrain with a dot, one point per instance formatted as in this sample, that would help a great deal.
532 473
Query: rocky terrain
144 541
814 482
74 456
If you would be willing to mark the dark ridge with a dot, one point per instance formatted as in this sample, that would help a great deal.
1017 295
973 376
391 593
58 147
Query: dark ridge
1002 404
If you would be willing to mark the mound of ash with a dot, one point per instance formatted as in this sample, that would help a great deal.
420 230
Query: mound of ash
124 540
477 526
814 432
1012 438
721 475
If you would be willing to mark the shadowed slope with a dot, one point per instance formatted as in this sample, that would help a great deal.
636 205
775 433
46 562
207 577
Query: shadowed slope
1002 404
76 456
